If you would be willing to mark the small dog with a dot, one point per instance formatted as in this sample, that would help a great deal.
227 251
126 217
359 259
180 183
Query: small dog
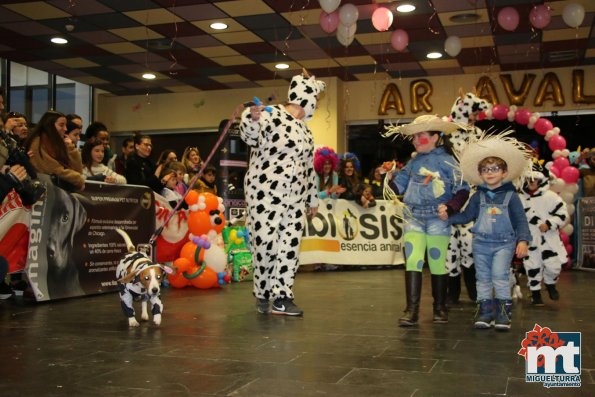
515 279
139 278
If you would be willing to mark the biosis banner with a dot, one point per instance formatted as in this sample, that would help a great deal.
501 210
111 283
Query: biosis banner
552 358
343 232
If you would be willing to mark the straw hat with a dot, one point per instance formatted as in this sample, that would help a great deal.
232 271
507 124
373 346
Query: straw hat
515 153
427 122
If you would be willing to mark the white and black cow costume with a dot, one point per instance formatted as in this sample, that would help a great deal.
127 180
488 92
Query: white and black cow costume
460 255
547 254
279 185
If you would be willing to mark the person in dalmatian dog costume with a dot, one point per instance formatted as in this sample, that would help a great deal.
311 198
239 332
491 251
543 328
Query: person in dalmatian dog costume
280 189
460 256
546 214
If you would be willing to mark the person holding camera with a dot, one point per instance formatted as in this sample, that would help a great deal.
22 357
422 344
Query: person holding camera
53 152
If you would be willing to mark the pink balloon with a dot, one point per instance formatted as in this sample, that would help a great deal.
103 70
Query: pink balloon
561 162
557 142
570 174
481 116
540 16
508 18
522 116
542 126
569 248
564 237
399 39
500 112
555 171
329 22
382 19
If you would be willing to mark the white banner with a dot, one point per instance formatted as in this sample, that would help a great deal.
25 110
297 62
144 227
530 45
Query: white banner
345 233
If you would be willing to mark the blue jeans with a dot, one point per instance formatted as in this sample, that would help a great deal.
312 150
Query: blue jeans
492 267
425 220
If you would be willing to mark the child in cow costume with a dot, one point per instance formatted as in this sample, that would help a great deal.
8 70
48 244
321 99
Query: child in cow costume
546 214
280 188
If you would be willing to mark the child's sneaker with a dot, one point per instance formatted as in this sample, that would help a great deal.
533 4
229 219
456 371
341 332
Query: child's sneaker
263 306
5 291
552 291
503 314
286 307
484 315
536 298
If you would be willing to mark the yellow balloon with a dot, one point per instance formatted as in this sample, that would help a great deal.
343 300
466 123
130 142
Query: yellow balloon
549 89
420 91
517 97
391 99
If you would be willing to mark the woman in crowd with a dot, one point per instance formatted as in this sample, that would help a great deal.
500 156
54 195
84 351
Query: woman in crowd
16 125
376 182
141 170
53 152
93 167
349 177
192 161
74 128
166 156
327 179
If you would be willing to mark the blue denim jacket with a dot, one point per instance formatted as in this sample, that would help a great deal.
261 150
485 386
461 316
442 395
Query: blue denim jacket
516 212
419 193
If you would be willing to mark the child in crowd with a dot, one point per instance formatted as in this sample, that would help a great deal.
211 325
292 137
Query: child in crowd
365 196
169 192
349 178
376 181
177 166
500 230
93 167
206 182
546 213
429 180
327 179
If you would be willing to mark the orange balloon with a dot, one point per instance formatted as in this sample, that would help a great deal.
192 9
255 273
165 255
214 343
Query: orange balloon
182 265
208 279
191 197
177 280
188 251
199 222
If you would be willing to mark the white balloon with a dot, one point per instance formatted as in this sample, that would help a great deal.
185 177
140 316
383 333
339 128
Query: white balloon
346 31
329 5
345 40
215 258
452 46
348 14
489 114
573 14
532 121
570 188
511 114
557 184
570 208
567 197
548 165
568 229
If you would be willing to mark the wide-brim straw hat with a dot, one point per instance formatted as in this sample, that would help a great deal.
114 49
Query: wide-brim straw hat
427 122
516 155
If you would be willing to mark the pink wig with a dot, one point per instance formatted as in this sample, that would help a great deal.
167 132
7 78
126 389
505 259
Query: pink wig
323 155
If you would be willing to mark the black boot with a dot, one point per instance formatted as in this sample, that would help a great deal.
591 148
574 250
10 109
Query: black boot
439 284
413 292
469 277
454 289
552 291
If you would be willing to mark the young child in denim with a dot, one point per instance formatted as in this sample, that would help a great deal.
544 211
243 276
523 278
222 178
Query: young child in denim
501 229
429 180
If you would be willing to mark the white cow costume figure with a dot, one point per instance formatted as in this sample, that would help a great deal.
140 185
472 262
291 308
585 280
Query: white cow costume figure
546 214
460 256
280 187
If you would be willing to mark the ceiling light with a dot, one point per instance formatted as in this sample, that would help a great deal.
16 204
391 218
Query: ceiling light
58 40
218 26
149 76
406 8
434 55
282 66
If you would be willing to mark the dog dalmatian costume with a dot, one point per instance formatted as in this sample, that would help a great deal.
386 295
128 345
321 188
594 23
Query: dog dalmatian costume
460 256
547 254
279 184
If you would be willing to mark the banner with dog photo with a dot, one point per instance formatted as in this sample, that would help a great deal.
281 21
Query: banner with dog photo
343 232
73 248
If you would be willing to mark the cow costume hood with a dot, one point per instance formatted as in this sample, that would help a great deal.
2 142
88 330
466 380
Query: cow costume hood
303 92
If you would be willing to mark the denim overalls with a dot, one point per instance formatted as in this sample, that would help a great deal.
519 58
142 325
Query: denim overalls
494 242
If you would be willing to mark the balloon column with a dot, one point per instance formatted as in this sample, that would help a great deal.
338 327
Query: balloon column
202 262
563 176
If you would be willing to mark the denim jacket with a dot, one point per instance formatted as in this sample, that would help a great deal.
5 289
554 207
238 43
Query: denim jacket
516 212
418 189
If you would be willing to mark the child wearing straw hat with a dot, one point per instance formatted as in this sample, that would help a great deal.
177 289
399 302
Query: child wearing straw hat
501 230
429 180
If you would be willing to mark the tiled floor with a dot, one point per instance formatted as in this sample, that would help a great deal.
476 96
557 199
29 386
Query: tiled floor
347 344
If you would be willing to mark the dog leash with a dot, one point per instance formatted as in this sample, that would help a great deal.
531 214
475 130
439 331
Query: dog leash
237 111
